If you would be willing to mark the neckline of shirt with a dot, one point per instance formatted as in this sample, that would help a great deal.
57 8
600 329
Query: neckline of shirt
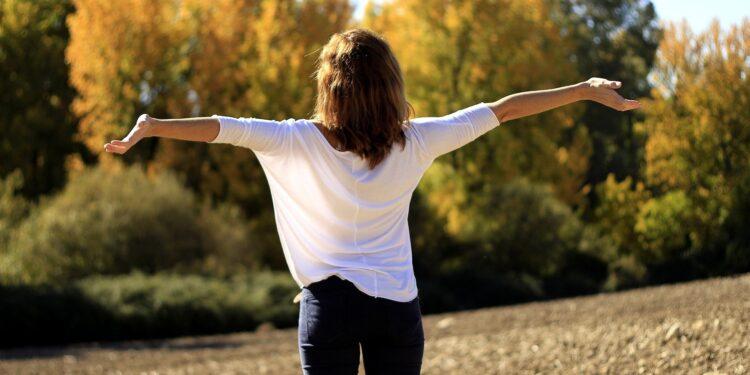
322 137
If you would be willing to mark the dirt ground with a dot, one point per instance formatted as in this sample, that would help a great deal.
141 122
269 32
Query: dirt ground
693 328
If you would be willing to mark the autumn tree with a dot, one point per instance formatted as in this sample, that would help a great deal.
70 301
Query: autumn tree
455 54
697 156
251 58
612 38
37 125
698 124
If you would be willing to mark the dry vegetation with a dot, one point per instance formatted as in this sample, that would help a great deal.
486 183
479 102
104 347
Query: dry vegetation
693 328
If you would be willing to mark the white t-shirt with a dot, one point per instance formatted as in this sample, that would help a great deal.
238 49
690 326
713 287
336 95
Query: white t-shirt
336 217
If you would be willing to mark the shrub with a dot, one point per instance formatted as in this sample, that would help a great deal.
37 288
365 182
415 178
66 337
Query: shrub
13 208
625 273
49 315
663 227
144 306
737 248
107 222
115 221
521 227
515 242
230 245
617 213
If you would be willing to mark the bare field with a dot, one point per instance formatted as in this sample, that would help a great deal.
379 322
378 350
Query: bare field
693 328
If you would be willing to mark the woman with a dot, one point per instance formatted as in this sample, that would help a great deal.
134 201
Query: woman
341 190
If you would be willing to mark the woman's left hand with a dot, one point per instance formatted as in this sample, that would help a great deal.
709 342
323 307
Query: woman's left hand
140 130
603 91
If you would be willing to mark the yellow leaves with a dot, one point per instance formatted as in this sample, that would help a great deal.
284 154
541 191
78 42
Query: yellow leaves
237 56
458 53
618 210
22 15
662 168
697 134
112 46
447 195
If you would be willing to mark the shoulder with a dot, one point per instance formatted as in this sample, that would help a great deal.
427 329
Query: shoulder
414 134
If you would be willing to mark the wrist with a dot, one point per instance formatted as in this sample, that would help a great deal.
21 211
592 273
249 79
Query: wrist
149 126
582 90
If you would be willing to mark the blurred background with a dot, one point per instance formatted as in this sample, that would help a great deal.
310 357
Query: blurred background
178 238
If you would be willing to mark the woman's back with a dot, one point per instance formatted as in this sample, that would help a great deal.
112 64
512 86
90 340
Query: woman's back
344 213
335 215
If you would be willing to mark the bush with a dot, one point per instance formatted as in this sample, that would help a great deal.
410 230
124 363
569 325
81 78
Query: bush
464 288
737 248
230 245
34 315
113 222
617 213
143 306
13 208
663 227
521 227
516 242
625 273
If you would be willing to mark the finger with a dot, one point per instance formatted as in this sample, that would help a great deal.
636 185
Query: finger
612 99
119 143
109 148
621 104
632 104
114 148
626 105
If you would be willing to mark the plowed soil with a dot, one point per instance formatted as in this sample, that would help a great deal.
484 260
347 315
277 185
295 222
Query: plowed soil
693 328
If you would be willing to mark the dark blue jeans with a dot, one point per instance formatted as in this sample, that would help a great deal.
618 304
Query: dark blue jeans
335 318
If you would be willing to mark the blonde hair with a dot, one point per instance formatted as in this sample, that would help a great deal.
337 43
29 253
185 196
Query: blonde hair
361 99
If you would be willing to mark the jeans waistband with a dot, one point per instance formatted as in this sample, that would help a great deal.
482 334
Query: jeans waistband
332 283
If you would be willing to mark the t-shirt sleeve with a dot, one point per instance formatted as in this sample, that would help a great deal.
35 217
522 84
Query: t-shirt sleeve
265 136
440 135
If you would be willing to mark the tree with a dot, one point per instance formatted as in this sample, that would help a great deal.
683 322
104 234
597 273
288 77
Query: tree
250 58
451 59
611 38
37 126
683 220
698 122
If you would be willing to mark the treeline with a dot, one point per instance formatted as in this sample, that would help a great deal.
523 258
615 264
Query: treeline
577 200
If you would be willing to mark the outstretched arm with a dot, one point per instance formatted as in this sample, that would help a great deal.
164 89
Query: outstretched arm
196 129
532 102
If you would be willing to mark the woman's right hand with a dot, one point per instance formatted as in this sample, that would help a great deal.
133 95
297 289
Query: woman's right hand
603 91
141 130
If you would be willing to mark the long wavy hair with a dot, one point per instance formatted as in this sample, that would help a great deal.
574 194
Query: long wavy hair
361 99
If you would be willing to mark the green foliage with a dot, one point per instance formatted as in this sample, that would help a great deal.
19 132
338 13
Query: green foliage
271 295
521 226
12 207
189 58
141 306
668 188
231 245
696 154
519 242
106 223
625 272
647 233
614 38
663 227
617 213
737 256
476 63
110 222
37 125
